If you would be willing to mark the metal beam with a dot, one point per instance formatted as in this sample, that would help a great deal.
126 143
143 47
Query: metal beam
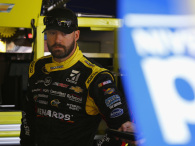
19 13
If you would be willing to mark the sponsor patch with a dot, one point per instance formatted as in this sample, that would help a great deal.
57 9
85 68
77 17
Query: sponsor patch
89 63
46 82
31 68
111 100
76 89
39 81
74 76
60 85
55 102
103 140
108 91
42 102
44 70
116 113
104 83
43 95
26 127
73 107
36 90
115 105
57 93
74 98
36 99
56 67
54 114
46 90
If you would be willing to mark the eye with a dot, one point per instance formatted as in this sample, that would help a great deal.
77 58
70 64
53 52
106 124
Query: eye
63 34
51 32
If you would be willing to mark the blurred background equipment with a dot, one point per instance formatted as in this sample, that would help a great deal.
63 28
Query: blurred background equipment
7 32
157 47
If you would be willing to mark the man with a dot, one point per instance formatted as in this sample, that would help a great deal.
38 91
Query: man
67 93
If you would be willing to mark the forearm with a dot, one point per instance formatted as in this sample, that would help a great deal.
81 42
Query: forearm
28 121
110 102
26 135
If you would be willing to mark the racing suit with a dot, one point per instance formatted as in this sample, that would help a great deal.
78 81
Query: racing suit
66 101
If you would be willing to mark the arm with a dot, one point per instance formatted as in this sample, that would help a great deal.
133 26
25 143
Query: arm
110 102
28 119
112 106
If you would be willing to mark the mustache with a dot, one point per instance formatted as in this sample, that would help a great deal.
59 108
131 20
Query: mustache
57 45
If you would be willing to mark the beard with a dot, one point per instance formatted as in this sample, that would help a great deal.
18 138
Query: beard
61 53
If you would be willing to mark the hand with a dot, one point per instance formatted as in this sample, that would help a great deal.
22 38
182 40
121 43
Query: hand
128 127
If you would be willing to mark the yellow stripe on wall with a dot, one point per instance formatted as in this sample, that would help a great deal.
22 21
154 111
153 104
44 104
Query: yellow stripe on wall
9 133
10 117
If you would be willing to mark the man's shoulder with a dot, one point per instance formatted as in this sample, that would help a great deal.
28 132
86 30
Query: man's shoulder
97 70
90 63
43 59
38 63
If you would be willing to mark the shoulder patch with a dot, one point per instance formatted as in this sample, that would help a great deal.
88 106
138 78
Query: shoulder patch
31 68
89 63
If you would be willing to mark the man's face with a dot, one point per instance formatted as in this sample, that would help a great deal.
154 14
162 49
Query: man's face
60 44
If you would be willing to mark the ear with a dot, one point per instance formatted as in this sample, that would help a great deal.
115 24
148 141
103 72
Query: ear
77 34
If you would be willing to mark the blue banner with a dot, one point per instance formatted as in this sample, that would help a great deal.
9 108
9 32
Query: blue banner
157 60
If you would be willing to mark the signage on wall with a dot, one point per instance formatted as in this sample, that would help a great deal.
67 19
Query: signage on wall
6 7
157 59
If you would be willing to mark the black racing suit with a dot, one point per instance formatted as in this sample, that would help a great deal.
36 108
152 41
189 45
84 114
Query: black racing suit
66 101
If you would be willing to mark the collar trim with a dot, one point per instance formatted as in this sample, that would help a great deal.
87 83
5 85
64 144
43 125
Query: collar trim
56 66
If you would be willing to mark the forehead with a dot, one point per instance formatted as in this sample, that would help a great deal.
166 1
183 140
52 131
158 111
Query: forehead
53 31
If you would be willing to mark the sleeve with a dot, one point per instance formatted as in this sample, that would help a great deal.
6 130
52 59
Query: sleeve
110 102
109 140
28 119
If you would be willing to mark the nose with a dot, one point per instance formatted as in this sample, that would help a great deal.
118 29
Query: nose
59 37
